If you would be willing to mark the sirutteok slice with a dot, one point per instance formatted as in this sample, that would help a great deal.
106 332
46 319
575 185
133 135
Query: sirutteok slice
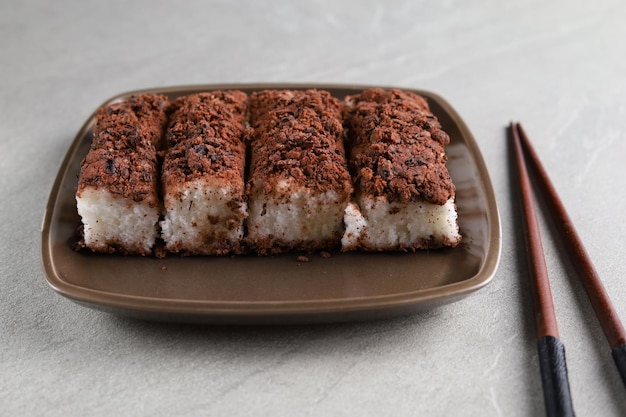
117 194
404 196
203 174
299 184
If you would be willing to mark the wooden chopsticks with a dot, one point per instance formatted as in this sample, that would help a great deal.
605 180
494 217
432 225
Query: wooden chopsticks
556 391
551 351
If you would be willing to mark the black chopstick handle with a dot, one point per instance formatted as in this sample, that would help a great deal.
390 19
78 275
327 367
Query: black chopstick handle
619 356
556 392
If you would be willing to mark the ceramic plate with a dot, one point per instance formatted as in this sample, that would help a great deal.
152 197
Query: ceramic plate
278 289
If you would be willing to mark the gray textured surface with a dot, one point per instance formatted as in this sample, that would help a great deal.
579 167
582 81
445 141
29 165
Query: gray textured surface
560 68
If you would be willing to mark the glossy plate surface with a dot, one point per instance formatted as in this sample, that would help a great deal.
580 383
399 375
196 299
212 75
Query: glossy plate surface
278 289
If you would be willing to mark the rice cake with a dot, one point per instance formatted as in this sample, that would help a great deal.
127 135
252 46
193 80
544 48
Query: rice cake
203 174
299 184
117 194
404 197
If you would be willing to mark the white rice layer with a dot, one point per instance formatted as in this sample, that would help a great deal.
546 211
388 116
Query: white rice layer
292 215
112 221
375 224
203 217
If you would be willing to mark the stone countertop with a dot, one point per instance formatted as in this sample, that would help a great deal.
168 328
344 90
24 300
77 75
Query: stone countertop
558 67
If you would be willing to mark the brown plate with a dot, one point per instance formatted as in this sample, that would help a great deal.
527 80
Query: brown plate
278 289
